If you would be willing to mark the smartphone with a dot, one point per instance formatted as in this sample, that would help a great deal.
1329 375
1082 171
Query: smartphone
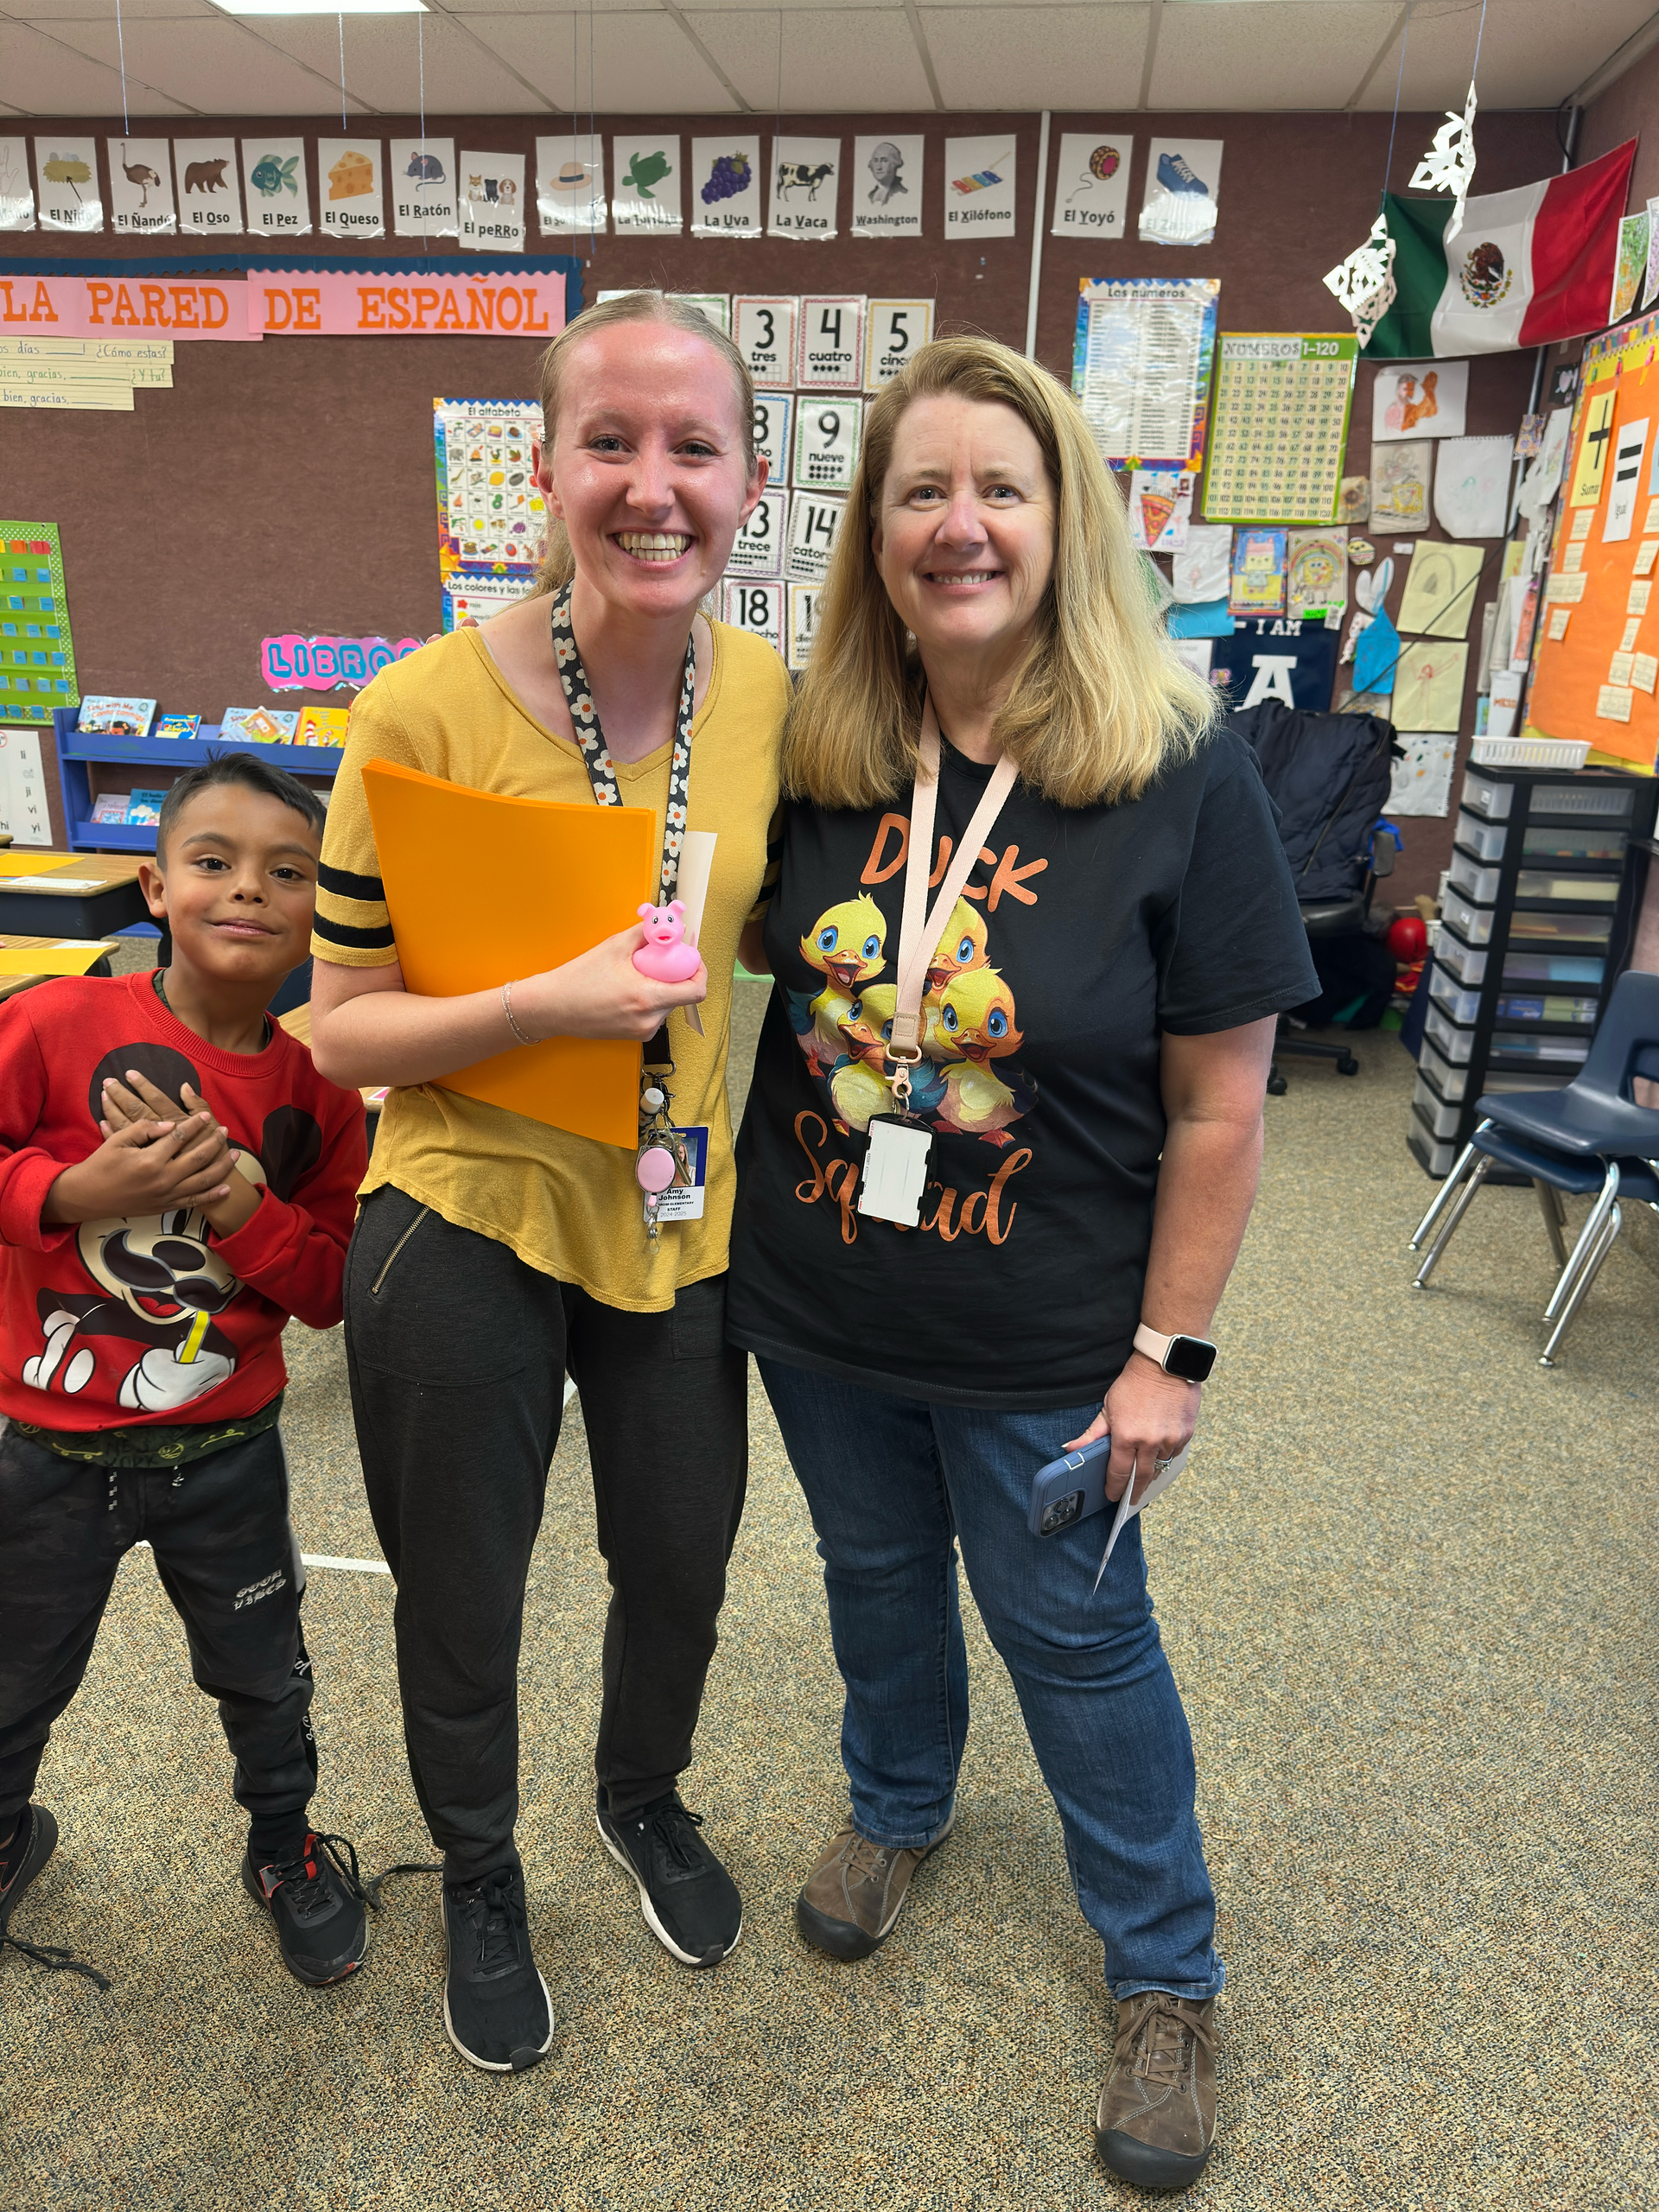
1069 1490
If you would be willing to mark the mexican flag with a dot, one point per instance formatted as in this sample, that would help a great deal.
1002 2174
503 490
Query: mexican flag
1527 267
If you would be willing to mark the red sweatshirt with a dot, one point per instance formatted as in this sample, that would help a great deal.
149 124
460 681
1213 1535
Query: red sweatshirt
96 1316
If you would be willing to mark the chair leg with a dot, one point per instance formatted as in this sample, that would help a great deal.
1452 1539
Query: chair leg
1442 1198
1585 1244
1555 1218
1587 1274
1482 1170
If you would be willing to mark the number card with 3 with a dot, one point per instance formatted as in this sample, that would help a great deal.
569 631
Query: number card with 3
757 549
757 608
826 442
803 623
773 413
763 330
897 329
814 519
831 355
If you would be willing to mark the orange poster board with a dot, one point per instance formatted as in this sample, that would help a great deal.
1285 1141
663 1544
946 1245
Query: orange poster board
1596 679
482 889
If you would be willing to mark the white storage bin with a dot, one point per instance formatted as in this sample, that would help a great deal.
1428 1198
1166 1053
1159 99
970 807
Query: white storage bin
1493 799
1450 1082
1465 963
1529 751
1440 1119
1436 1154
1546 883
1528 1045
1546 930
1461 1005
1480 884
1599 801
1456 1043
1483 839
1472 923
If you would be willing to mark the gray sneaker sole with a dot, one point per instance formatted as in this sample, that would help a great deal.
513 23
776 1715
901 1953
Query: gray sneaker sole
522 2061
710 1958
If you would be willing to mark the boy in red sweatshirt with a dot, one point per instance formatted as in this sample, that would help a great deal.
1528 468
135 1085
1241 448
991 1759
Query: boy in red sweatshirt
176 1180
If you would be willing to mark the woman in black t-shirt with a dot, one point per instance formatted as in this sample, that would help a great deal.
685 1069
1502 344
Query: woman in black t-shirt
1085 1070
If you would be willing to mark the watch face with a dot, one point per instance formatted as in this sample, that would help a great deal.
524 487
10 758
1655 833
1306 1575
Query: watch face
1191 1357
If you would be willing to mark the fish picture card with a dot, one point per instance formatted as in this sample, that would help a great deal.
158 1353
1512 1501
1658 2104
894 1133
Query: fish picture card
1429 686
813 519
1419 400
209 186
1183 189
570 184
830 355
888 186
279 199
826 442
1259 559
65 171
16 192
422 181
348 187
1316 578
490 201
176 726
757 608
1202 569
115 714
1161 508
1472 486
1629 448
1091 185
141 186
726 187
1400 479
895 329
805 178
1440 594
773 414
759 548
645 183
978 187
763 331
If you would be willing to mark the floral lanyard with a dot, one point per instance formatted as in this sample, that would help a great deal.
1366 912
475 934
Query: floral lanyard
657 1131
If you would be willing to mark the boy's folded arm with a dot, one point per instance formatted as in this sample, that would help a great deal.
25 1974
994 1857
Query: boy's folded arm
26 1173
293 1250
26 1176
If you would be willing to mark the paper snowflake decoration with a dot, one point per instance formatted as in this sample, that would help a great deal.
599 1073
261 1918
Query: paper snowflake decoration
1449 164
1364 282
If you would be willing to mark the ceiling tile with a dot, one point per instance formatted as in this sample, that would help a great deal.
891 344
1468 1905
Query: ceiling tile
48 12
1266 53
1533 53
1068 58
384 60
839 62
213 66
55 75
643 62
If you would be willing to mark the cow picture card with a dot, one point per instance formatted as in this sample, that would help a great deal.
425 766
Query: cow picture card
141 187
888 186
490 200
348 187
422 178
570 184
208 186
805 178
273 181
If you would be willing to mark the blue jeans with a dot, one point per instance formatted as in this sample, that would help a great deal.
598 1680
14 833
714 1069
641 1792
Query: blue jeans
893 1485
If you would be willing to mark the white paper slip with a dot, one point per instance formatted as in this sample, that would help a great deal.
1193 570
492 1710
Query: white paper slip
1581 523
1636 603
1645 556
1126 1512
696 863
1572 560
1632 631
53 883
1644 671
1558 619
1569 589
1618 669
1613 703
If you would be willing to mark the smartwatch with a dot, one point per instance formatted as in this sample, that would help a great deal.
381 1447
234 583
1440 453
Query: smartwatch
1189 1359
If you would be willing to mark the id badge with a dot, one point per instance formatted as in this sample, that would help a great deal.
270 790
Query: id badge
895 1170
683 1199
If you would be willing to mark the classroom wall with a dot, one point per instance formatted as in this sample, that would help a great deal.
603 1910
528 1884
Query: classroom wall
1628 109
289 486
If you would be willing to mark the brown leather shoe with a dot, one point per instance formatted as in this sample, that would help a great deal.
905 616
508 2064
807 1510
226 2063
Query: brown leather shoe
1156 2123
855 1893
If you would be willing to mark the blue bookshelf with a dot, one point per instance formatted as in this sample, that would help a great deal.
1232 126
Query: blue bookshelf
77 754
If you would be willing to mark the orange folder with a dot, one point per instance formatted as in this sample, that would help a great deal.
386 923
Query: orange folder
482 889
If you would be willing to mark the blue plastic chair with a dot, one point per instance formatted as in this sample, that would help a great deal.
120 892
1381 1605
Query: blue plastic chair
1591 1137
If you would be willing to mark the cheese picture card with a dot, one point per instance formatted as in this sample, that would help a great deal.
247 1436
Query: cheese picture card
348 180
887 187
645 182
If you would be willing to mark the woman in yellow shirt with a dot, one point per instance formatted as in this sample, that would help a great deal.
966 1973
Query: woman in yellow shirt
493 1253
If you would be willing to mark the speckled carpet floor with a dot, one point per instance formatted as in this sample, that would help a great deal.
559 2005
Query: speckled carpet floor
1408 1592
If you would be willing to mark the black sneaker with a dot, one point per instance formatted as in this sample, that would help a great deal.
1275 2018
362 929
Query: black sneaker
317 1905
495 2009
690 1901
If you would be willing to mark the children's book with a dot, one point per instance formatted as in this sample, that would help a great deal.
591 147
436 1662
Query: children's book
113 715
176 725
112 806
259 726
144 809
322 726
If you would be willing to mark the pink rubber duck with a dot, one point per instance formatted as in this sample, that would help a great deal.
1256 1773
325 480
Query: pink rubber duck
665 955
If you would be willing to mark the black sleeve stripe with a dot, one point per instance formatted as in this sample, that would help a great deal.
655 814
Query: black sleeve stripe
343 885
364 940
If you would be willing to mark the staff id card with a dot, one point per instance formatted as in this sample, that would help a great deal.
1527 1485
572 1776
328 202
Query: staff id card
683 1199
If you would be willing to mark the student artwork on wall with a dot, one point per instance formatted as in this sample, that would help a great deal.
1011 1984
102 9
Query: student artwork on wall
978 187
887 180
805 179
1161 508
490 201
1629 268
1091 185
1441 582
141 187
1472 486
1429 685
1183 191
210 190
17 194
570 184
279 198
37 655
65 171
1421 783
1419 400
1316 578
1202 569
422 181
645 183
726 188
1400 475
348 185
1259 559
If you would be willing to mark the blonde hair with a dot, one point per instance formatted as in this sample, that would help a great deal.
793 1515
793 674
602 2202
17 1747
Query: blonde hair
1102 701
558 564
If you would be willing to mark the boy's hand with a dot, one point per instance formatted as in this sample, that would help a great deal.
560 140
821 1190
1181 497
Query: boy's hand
143 1169
125 1109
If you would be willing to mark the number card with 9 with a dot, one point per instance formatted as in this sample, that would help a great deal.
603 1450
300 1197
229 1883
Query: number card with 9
826 442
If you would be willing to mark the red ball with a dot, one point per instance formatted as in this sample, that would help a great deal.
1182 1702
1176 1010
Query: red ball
1407 938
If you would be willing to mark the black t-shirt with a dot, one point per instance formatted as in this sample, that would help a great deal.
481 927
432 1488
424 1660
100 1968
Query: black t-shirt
1083 934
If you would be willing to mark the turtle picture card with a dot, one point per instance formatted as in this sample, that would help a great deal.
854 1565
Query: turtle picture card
726 187
274 181
141 187
888 174
422 181
646 181
16 192
348 187
569 184
1091 185
66 176
490 201
806 179
208 185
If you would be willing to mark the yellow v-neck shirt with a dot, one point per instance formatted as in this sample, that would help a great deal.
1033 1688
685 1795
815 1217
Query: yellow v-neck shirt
567 1205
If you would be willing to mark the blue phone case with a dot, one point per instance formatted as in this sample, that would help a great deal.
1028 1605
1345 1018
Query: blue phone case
1069 1490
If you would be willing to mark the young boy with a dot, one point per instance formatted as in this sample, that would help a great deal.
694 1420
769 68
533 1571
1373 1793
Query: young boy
176 1180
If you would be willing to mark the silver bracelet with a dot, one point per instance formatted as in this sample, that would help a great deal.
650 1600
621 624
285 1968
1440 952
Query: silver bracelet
506 1008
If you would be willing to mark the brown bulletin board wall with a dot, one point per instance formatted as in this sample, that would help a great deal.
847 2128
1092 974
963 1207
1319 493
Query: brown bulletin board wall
289 485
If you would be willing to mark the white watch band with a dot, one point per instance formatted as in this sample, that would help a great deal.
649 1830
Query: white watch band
1154 1346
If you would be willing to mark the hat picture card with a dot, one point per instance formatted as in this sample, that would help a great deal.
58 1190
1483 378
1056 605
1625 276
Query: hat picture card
348 185
645 181
422 181
141 187
209 186
279 199
888 186
569 184
65 172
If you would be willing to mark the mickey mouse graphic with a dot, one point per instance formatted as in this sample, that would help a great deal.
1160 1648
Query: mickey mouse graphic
159 1284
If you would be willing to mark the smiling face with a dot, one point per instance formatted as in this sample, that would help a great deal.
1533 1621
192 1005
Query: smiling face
647 468
845 942
964 530
238 885
976 1014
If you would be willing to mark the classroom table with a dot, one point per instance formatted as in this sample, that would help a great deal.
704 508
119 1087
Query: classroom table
26 979
99 893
